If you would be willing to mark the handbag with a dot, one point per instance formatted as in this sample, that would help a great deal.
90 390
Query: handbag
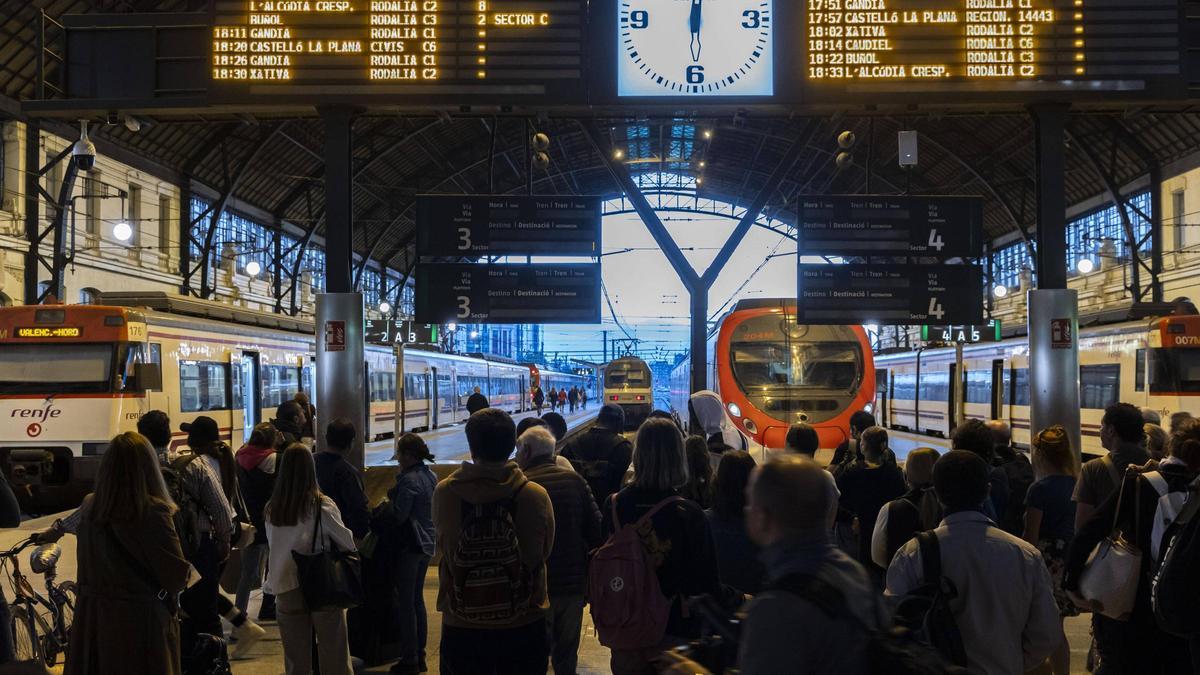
330 578
1110 577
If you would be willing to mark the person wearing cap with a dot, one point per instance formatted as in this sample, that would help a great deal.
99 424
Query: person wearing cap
412 501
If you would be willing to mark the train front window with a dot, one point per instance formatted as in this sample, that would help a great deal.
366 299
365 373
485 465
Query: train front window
1174 371
56 368
627 375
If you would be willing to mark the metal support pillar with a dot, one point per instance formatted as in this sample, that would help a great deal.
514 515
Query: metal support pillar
339 205
1049 121
1156 233
1054 361
185 237
33 132
59 261
341 376
699 340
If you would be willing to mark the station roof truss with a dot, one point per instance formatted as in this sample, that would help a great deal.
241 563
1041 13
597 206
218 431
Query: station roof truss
401 155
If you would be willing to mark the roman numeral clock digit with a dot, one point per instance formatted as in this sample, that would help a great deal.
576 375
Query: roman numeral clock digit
693 48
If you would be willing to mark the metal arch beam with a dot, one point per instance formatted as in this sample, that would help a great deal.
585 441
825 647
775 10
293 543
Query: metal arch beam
765 192
219 208
374 159
1114 193
1154 169
987 185
207 146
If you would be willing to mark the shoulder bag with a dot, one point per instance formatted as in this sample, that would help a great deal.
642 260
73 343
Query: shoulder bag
329 578
1110 577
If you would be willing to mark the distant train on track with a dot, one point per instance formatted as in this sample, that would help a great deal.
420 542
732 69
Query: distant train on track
1153 363
73 376
771 372
628 382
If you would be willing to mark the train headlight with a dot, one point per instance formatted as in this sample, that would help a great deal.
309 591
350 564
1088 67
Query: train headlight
734 410
870 407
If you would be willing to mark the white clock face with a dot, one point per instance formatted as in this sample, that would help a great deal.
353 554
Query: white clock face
694 48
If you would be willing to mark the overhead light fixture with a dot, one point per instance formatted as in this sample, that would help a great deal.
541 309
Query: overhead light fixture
451 326
253 268
1085 265
122 231
385 307
707 134
701 164
699 180
474 334
1000 290
618 154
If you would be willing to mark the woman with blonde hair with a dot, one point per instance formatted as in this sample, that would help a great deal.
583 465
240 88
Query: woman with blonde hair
297 509
131 569
1050 518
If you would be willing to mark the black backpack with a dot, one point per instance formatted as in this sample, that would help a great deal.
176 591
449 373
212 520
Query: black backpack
1175 588
891 651
208 656
189 508
1019 474
925 611
594 469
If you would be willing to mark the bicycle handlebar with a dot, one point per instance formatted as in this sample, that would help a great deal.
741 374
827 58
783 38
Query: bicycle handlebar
17 548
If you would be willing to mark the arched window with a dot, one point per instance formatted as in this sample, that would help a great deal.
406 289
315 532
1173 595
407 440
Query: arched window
89 296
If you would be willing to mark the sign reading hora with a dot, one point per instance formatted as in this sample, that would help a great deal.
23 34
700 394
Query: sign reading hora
695 48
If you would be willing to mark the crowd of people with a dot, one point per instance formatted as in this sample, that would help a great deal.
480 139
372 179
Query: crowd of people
560 400
990 543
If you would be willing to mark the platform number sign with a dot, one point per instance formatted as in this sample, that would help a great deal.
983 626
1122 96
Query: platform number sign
962 334
695 48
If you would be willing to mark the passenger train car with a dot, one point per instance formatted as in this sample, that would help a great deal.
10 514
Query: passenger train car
771 372
1151 362
629 384
72 377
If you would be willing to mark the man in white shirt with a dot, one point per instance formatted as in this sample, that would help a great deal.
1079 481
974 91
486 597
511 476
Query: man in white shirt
1004 607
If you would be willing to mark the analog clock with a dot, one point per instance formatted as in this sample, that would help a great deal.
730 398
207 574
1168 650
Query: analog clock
694 48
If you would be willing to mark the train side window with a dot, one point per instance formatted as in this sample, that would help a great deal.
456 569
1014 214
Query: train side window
979 386
203 386
1099 386
1139 371
156 354
1020 386
279 384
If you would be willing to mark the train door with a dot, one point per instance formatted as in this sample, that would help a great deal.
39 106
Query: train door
998 389
247 401
435 398
953 387
881 395
446 397
430 398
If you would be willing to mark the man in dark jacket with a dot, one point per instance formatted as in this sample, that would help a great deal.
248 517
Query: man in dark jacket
289 422
476 402
1018 471
602 455
340 481
576 531
847 452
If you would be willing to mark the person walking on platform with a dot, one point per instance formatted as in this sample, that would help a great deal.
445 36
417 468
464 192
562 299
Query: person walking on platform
1050 520
131 569
340 481
289 421
786 630
296 509
562 399
476 402
1142 507
493 526
553 399
865 489
573 398
412 504
257 461
583 398
539 399
576 532
602 454
678 538
915 511
1006 628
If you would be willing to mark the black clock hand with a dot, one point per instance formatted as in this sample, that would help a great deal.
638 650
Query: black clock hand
694 22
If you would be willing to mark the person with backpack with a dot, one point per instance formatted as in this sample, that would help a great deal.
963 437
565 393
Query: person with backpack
1123 435
539 399
131 569
787 629
660 552
1175 589
576 532
1142 509
974 436
476 401
1050 520
865 489
602 454
256 461
302 520
915 511
495 530
994 587
1018 473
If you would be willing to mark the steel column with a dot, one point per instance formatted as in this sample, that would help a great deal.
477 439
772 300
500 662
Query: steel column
699 339
339 205
33 177
1156 233
1049 120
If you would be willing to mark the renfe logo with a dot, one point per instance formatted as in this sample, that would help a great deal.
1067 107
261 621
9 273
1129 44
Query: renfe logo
43 414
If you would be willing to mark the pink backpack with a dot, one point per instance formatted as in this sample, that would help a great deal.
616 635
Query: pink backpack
628 607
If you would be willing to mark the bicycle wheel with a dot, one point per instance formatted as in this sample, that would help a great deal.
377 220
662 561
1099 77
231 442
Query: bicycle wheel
25 637
71 595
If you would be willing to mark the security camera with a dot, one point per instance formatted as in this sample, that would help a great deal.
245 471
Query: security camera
84 150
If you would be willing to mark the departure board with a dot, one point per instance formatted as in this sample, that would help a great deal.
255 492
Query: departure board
994 44
352 46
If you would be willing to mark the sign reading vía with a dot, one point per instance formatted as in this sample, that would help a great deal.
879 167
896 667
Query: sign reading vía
353 41
922 40
56 332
